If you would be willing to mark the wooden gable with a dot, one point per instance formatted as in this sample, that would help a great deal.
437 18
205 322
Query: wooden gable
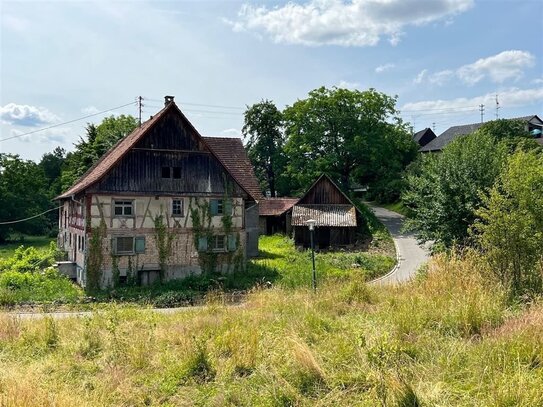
324 192
173 143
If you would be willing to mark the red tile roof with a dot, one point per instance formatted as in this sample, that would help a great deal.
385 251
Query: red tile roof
229 152
275 206
232 155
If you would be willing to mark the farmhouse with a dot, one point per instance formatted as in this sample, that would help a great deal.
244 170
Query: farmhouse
163 203
338 219
534 125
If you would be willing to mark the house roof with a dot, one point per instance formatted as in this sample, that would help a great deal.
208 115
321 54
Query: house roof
275 206
449 135
230 154
417 137
325 215
453 132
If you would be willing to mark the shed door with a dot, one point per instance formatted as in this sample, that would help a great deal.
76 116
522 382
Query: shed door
323 237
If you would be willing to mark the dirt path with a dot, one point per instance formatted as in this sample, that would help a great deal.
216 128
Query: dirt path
410 254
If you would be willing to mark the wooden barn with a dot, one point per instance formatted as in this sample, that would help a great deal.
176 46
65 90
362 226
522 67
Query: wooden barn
338 219
163 203
275 215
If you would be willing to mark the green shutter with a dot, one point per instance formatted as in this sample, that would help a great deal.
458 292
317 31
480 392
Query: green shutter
214 207
140 244
114 245
227 207
232 242
202 244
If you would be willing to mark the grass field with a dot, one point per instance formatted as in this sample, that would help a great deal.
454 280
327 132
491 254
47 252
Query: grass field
449 338
39 242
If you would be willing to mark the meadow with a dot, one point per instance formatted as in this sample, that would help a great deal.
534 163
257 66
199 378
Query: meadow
24 280
451 337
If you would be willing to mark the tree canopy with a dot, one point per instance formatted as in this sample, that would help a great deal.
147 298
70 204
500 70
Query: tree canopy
263 129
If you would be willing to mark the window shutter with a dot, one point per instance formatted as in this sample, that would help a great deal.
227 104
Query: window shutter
140 244
202 244
214 206
113 245
232 242
227 205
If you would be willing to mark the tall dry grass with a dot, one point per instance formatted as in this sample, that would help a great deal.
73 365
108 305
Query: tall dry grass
447 339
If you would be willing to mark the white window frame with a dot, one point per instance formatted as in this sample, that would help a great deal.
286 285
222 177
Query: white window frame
182 203
123 204
215 247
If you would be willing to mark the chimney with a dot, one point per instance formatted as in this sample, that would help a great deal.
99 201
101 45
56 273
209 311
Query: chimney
168 100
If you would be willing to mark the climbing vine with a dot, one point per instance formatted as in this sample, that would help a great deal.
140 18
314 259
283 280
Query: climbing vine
203 229
95 258
164 242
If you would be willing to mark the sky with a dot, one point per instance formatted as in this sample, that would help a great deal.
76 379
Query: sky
67 61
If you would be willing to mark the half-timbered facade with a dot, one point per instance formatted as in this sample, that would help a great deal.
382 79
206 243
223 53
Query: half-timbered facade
163 202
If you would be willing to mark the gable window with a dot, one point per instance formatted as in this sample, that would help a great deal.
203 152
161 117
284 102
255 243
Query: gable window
166 172
177 207
176 172
128 245
123 208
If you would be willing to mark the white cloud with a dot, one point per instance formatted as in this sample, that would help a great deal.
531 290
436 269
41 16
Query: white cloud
420 77
14 23
385 67
231 132
90 110
498 68
54 136
348 85
538 81
512 97
344 23
25 115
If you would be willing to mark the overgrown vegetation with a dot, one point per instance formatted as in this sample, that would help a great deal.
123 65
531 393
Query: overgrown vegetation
448 338
28 278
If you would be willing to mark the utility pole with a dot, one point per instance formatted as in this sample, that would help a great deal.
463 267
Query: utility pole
140 106
497 107
482 110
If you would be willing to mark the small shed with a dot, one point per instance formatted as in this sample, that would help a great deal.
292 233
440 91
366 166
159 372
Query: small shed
338 219
275 215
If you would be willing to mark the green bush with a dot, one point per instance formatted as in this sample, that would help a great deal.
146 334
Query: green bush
510 228
44 286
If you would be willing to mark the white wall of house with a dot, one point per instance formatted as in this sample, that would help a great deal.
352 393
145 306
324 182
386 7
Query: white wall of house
130 223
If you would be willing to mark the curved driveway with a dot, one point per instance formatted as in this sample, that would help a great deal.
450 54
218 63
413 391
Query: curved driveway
410 255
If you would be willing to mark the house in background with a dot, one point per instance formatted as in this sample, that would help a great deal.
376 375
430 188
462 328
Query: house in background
423 137
275 215
534 126
164 201
338 219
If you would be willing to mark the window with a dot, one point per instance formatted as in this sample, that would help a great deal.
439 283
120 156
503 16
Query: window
124 208
177 207
128 245
220 207
218 243
166 172
177 172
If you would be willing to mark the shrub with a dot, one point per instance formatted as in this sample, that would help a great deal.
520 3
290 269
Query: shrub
510 228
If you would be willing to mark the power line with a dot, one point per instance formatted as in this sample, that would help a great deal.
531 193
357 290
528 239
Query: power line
201 104
68 122
11 222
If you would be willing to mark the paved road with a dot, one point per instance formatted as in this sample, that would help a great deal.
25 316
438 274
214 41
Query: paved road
410 254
